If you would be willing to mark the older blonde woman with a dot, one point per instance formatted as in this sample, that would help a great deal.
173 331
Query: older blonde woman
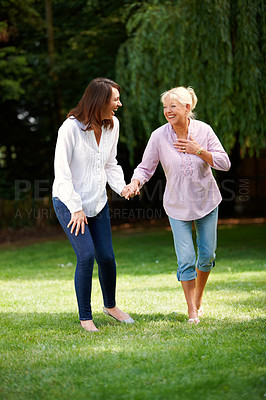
187 149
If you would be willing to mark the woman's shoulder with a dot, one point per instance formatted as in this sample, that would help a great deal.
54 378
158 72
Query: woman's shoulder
116 120
197 124
162 130
74 122
71 122
112 129
115 124
70 125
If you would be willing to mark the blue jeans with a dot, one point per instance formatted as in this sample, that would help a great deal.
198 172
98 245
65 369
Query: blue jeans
96 242
206 232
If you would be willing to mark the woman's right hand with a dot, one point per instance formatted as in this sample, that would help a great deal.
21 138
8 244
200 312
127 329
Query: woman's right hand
78 220
136 183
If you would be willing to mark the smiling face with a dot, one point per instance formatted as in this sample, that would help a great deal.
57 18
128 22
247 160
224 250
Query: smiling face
174 111
113 105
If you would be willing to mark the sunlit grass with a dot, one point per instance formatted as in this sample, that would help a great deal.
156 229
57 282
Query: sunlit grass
45 354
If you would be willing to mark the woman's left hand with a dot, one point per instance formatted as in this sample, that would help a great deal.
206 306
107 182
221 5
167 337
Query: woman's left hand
129 191
78 221
187 146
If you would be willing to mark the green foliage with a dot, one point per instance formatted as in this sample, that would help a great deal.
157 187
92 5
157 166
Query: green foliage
217 46
13 70
14 64
26 212
39 87
212 45
45 355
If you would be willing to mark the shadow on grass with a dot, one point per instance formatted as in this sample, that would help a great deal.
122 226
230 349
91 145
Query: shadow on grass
48 357
64 269
241 249
46 324
69 321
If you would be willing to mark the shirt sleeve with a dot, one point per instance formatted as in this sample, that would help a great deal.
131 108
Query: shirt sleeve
63 176
149 163
114 172
220 157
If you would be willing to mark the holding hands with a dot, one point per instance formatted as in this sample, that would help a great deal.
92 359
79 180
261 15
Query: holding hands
79 219
131 190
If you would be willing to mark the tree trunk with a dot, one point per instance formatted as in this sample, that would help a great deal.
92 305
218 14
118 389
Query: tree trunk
56 94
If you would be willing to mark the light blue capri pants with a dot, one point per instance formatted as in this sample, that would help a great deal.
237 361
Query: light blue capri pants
206 232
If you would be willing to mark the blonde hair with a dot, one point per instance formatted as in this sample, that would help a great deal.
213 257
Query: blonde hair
184 96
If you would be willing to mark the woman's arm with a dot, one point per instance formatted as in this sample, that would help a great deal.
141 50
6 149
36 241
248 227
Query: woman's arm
63 184
192 147
214 154
221 160
148 165
114 172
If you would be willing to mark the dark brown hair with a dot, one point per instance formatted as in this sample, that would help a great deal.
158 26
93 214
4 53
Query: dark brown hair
95 99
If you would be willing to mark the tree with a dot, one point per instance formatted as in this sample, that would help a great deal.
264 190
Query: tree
215 46
49 50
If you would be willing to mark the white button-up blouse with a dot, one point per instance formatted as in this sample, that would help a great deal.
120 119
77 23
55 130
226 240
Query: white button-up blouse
82 168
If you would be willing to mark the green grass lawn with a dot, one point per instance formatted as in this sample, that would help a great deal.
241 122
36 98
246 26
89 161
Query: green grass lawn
45 355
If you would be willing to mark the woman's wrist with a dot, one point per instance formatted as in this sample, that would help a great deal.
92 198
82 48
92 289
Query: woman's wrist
135 182
199 151
76 212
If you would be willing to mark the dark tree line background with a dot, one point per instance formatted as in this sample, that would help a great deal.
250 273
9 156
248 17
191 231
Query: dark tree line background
51 49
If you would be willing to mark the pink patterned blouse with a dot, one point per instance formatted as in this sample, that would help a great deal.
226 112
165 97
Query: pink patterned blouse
191 191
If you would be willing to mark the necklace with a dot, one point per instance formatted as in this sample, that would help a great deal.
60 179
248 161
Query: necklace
182 134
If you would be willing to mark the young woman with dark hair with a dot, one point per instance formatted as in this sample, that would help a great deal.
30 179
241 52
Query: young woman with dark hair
94 101
85 160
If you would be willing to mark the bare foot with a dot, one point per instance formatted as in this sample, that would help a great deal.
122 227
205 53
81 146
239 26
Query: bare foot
200 311
89 326
194 321
192 312
118 314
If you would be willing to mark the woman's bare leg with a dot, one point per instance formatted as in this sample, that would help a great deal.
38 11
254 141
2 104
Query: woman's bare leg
201 281
189 288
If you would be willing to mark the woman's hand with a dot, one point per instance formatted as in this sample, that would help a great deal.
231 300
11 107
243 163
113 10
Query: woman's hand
130 190
78 220
135 184
127 192
187 146
192 147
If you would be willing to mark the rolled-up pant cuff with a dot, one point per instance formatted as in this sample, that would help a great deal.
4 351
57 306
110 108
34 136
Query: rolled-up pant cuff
187 275
206 268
